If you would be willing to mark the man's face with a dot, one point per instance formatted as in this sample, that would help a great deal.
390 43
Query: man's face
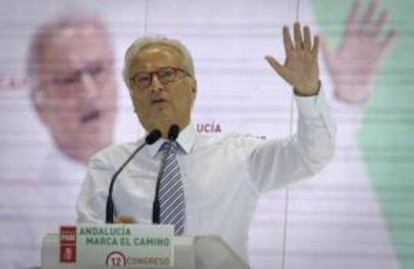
76 97
162 104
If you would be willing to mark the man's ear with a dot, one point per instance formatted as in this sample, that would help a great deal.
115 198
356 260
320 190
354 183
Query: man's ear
194 88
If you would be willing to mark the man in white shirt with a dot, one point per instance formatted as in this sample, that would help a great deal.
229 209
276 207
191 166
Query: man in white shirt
222 176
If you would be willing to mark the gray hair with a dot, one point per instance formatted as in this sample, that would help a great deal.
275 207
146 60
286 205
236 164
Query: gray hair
41 37
146 41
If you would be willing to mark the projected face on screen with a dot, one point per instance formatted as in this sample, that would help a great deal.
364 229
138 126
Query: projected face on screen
75 93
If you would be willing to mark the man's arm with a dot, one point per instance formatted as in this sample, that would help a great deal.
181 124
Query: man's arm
276 163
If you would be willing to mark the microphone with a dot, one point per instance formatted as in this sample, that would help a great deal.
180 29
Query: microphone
153 137
150 139
172 136
173 132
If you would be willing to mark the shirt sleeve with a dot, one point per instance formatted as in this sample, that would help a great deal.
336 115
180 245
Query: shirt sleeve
91 203
277 163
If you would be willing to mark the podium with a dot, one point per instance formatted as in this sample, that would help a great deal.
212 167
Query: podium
198 252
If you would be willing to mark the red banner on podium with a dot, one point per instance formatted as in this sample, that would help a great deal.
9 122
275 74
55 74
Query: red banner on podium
68 244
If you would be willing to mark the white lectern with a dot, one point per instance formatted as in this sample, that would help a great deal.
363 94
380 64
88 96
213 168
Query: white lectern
199 252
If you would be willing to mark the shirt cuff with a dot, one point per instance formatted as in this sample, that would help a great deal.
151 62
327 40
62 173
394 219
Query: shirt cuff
311 105
315 108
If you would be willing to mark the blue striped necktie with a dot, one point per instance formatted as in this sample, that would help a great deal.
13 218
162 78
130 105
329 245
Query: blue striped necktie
171 191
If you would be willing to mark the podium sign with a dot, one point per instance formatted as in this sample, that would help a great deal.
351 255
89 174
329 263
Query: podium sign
129 245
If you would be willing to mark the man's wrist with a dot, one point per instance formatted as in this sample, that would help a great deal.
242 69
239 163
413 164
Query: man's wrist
312 93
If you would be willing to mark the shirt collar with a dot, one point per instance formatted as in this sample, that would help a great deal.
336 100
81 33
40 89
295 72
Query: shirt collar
185 139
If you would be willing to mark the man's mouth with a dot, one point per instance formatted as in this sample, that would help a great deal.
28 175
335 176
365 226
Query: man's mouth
158 101
90 116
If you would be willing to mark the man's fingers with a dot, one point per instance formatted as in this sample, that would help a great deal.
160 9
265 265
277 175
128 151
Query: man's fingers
352 22
379 24
287 40
279 68
306 38
389 39
297 36
315 48
369 12
367 18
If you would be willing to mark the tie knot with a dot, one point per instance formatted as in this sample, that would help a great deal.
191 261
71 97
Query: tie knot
169 147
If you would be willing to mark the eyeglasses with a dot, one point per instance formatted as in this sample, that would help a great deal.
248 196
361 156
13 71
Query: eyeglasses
95 70
68 83
168 74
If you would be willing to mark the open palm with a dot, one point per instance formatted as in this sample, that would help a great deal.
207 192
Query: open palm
301 65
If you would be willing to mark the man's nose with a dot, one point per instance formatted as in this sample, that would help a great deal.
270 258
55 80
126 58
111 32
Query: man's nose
88 86
156 84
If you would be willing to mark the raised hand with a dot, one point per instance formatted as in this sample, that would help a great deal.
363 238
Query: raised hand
354 64
301 65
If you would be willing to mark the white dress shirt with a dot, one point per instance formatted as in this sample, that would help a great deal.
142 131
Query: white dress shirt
222 175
